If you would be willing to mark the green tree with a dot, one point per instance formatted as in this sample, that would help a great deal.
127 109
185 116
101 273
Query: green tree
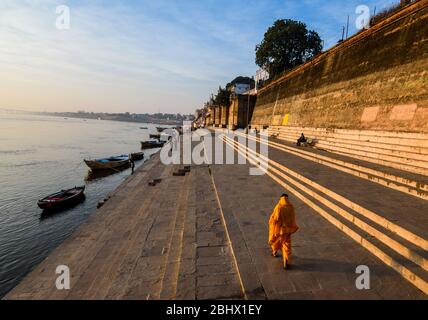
287 44
222 98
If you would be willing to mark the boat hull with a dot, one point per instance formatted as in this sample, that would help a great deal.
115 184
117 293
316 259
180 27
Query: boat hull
137 156
99 165
100 174
151 145
77 197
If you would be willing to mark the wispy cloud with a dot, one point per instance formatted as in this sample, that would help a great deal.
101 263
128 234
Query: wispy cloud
141 56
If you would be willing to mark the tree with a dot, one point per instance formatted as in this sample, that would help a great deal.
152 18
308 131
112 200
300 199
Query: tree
241 80
222 98
287 44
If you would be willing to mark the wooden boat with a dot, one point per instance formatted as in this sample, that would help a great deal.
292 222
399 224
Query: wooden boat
137 156
152 144
155 136
108 163
94 175
62 199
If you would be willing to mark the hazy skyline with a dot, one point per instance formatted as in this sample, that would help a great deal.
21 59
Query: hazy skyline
142 56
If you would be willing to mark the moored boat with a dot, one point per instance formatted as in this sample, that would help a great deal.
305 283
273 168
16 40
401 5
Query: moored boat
152 144
62 199
160 130
137 156
108 163
155 136
94 175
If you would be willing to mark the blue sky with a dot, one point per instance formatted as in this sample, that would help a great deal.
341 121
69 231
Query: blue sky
143 56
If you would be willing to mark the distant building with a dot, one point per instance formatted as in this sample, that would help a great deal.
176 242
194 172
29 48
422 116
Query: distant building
240 88
261 76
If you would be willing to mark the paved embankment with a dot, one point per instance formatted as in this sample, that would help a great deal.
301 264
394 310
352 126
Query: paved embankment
204 235
148 242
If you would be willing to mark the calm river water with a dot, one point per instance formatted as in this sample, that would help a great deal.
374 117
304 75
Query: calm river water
40 155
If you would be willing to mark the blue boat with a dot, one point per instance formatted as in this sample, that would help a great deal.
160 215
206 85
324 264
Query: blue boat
108 163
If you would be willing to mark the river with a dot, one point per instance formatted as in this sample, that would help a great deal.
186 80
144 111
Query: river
40 155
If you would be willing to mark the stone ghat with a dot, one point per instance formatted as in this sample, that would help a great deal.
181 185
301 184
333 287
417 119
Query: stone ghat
403 151
148 242
203 235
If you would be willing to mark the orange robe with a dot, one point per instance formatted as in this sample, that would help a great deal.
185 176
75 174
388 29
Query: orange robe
282 224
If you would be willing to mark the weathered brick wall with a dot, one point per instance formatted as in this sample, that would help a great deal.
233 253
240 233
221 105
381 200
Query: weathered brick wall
224 116
217 116
376 80
238 111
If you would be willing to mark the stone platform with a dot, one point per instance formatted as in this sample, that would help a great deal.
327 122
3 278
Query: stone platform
204 236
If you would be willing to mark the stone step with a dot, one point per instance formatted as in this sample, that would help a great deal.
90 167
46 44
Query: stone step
388 137
129 238
408 268
406 164
415 146
146 276
186 277
390 149
365 146
175 247
400 150
186 282
322 192
376 154
135 276
406 254
404 182
207 263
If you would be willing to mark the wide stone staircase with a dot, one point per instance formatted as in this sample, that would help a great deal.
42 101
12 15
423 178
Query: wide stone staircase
403 151
379 205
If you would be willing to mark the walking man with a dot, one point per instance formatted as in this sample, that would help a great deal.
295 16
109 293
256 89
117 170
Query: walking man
282 224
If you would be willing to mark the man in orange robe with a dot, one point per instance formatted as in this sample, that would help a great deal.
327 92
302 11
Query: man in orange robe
282 224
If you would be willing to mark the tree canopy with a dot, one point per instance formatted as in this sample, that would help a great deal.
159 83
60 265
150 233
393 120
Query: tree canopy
241 80
287 44
222 97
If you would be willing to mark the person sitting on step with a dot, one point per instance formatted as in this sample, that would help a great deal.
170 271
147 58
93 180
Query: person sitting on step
302 141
